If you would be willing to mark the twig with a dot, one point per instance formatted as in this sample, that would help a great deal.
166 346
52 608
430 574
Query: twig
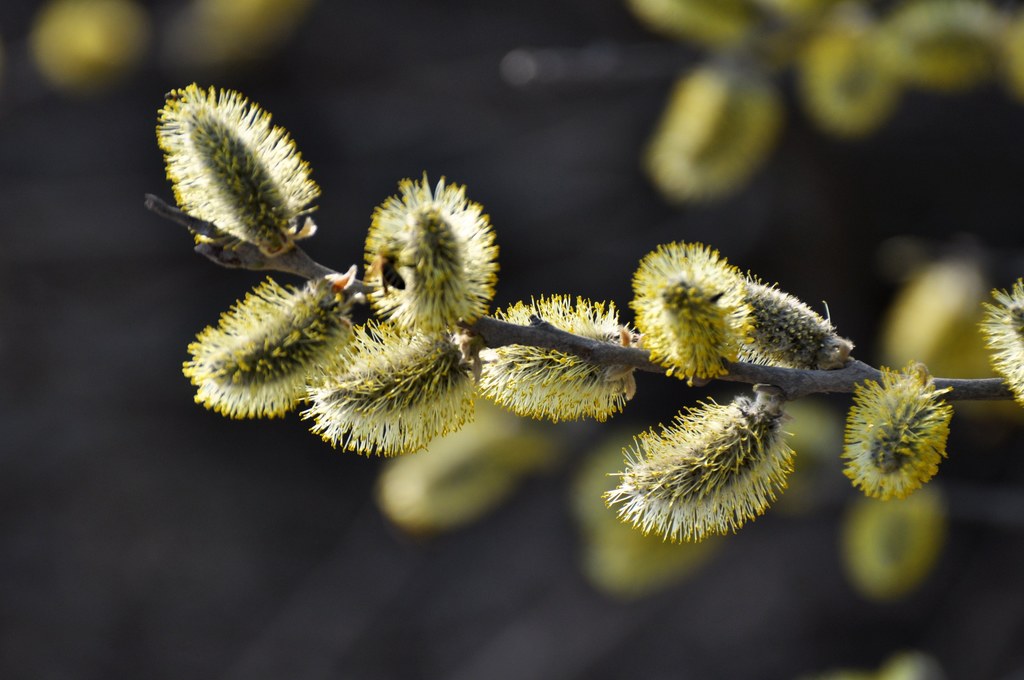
239 254
794 383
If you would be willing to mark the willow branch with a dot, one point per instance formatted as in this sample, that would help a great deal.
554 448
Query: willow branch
238 254
794 383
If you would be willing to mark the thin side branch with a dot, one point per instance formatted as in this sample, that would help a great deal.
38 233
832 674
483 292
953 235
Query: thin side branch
794 383
238 254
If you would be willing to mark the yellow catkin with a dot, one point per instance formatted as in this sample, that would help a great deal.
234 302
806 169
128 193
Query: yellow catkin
554 385
87 46
463 475
710 472
614 557
889 548
942 45
896 433
709 22
1012 54
719 125
690 309
842 82
1003 328
264 353
397 393
218 34
797 9
432 252
231 167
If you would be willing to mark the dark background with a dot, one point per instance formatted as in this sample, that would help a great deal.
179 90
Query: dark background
143 537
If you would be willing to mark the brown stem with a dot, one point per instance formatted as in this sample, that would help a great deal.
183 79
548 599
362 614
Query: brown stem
794 383
239 254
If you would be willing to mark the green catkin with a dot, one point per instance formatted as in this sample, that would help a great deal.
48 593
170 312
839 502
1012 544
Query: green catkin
788 333
266 350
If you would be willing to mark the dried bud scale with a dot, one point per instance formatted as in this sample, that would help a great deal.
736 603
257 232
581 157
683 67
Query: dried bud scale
432 251
690 309
396 393
229 166
896 433
546 383
786 332
260 358
711 471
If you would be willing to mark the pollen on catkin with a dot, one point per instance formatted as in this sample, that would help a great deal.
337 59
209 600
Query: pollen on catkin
786 332
690 309
842 83
397 392
265 351
711 471
719 125
547 383
942 45
231 167
438 247
896 432
1003 328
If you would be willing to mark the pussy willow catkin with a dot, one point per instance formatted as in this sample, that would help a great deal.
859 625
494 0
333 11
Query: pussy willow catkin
231 167
554 385
432 251
396 393
265 351
711 471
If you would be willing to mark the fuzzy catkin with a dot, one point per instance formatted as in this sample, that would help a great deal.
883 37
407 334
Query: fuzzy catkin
712 470
843 84
265 351
1003 328
439 247
717 128
690 309
944 45
896 433
396 394
231 167
554 385
786 332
